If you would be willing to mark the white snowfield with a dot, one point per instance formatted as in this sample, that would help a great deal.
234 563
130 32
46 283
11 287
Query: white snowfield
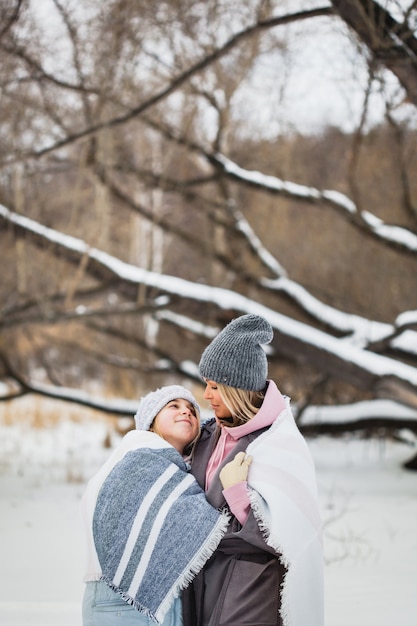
369 509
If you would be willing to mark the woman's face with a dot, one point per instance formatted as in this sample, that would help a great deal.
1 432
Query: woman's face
177 423
212 394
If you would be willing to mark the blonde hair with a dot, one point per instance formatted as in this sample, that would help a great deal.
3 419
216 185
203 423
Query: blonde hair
242 404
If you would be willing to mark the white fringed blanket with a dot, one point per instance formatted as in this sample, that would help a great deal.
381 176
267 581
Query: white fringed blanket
283 496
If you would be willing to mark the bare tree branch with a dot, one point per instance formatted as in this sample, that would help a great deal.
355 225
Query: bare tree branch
11 18
392 43
177 82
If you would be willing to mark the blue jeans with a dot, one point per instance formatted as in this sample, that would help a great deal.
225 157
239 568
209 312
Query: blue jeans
104 607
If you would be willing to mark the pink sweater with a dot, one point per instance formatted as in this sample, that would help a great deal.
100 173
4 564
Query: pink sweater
237 495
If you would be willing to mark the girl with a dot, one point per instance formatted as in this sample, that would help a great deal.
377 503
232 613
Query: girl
149 527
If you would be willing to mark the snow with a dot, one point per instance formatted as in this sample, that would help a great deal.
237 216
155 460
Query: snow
346 350
401 236
361 331
267 181
368 502
407 317
368 330
370 513
346 413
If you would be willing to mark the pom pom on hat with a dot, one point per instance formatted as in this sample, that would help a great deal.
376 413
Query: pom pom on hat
235 357
154 401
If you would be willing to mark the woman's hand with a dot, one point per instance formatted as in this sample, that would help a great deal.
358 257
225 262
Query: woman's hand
236 471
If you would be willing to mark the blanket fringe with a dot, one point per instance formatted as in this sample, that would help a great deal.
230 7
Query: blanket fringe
129 600
197 563
273 543
301 588
284 610
184 579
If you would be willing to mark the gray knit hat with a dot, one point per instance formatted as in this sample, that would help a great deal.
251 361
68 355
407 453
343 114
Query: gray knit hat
235 357
154 401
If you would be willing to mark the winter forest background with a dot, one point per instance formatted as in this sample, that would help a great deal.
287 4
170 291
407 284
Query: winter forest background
168 166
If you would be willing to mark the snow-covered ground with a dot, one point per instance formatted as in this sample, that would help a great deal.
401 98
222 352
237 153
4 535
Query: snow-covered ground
369 507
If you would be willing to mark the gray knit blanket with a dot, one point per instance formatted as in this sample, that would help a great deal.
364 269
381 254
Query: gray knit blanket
153 528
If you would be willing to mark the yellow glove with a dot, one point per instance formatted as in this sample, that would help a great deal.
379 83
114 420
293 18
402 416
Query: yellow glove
236 471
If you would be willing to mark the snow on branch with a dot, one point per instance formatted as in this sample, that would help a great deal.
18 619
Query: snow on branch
369 415
299 333
367 409
358 330
401 237
114 406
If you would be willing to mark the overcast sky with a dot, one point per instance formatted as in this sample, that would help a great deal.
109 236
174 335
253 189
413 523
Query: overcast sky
317 80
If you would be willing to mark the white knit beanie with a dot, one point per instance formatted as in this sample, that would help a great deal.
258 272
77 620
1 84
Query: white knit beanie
235 357
154 401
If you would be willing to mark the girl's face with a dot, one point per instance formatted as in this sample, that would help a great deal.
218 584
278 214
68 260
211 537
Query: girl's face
177 423
212 394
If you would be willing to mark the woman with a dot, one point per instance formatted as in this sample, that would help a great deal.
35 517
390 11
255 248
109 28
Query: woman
268 568
138 510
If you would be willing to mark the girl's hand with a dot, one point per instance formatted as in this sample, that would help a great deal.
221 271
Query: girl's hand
236 471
